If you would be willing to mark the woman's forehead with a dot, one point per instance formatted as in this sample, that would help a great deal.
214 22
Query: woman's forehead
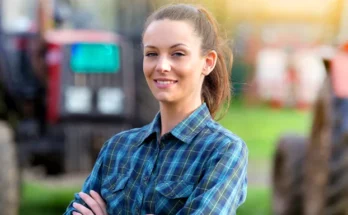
168 33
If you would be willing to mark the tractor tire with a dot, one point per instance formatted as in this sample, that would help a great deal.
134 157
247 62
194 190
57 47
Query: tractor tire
337 187
9 173
288 175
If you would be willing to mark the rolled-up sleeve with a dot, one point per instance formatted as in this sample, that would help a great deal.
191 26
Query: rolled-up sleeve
93 181
223 187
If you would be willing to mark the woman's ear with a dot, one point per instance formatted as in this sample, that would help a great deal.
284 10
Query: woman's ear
210 62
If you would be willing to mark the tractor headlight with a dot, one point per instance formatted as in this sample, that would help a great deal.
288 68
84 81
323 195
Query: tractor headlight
78 100
110 100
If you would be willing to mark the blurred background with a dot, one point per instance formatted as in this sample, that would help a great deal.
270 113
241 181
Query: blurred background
71 77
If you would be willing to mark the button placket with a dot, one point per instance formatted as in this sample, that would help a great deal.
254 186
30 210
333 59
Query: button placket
137 209
146 179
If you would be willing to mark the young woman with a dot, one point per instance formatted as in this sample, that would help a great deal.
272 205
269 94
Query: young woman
183 162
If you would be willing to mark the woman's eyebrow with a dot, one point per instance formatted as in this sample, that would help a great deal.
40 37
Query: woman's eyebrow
178 44
149 46
173 46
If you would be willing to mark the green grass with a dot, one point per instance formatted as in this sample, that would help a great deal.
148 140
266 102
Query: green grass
258 126
258 202
42 200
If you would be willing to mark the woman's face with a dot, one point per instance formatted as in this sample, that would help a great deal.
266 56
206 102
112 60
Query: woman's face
173 63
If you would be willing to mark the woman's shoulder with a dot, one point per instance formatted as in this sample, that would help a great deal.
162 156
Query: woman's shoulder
226 137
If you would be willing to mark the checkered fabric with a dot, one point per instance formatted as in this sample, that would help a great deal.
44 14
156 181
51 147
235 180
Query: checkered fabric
197 168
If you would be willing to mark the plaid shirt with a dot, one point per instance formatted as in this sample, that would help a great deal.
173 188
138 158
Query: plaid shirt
197 168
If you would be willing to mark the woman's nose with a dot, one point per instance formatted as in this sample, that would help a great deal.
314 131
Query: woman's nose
163 64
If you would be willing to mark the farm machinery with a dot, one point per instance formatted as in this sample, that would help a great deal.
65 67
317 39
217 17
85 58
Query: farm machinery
67 84
310 174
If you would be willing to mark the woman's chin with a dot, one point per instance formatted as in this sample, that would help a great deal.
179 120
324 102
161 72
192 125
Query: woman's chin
164 99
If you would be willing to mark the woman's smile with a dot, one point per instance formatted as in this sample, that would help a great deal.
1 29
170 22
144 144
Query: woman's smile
163 83
173 63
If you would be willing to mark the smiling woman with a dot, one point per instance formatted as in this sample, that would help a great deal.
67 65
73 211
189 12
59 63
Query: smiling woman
183 162
173 65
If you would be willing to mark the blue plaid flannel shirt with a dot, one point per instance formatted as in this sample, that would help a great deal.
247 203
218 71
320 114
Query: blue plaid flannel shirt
197 168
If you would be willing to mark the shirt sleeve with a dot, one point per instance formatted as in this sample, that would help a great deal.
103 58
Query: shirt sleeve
93 182
223 187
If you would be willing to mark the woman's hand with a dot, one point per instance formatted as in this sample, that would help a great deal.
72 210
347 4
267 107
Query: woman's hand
94 201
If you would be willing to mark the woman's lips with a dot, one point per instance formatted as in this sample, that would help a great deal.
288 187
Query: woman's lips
164 83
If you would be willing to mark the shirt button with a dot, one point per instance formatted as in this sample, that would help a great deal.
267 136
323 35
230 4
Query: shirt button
146 178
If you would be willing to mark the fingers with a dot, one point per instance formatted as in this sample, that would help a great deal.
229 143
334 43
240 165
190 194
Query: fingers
75 213
99 200
82 209
92 203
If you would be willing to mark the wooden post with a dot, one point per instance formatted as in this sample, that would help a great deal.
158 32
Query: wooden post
318 154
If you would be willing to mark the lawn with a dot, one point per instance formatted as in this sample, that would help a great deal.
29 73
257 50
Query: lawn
258 126
41 200
261 126
258 202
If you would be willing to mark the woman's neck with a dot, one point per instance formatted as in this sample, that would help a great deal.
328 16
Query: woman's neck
173 114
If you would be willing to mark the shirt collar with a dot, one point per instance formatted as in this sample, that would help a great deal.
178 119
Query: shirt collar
153 127
187 129
192 125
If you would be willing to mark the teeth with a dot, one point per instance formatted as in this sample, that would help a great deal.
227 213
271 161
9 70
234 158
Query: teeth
166 82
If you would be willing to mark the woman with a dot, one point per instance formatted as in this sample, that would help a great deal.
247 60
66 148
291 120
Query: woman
183 162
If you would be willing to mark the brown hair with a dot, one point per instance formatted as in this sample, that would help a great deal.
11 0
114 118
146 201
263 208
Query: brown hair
216 89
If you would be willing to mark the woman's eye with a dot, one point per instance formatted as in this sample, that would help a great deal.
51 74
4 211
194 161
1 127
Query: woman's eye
178 54
151 54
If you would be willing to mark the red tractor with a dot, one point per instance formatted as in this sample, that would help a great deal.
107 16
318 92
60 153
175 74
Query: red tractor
65 90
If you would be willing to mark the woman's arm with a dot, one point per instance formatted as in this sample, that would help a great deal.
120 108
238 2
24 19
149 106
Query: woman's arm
224 185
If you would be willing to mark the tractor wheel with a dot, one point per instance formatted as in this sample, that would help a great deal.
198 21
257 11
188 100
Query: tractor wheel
9 173
288 175
337 188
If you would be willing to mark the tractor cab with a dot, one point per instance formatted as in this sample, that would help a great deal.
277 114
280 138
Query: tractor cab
89 76
71 78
